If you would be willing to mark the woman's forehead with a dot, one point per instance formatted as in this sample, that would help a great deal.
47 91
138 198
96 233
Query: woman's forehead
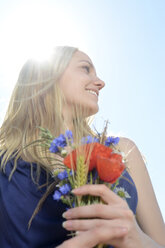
79 55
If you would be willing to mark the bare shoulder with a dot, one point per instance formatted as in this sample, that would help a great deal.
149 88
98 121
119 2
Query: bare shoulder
125 144
135 160
132 152
125 140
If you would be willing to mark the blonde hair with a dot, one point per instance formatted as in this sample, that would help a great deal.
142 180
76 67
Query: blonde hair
36 101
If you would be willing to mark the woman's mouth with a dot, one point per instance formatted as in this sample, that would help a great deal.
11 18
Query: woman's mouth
93 92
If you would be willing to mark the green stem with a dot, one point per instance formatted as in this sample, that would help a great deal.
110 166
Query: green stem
79 200
100 246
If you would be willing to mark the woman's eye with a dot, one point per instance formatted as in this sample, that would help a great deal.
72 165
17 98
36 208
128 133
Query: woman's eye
86 68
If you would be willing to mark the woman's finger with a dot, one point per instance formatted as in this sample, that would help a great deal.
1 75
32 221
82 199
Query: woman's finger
85 225
107 195
98 211
94 236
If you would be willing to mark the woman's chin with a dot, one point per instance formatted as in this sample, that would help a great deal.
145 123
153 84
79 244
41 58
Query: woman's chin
92 110
86 110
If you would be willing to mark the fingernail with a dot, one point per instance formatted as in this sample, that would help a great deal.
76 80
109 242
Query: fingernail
75 190
66 214
67 224
64 224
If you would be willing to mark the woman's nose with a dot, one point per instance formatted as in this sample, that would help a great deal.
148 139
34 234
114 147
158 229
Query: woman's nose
100 83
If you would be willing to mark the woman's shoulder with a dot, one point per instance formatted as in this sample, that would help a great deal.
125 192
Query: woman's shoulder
128 147
125 144
135 160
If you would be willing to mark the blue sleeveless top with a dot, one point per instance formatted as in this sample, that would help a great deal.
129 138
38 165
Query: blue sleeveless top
19 198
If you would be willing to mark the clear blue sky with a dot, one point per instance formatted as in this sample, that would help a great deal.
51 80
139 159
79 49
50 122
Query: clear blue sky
126 41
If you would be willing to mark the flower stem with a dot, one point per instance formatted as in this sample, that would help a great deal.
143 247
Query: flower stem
79 200
100 246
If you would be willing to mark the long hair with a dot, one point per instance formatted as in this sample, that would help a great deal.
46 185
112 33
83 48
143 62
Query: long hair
36 101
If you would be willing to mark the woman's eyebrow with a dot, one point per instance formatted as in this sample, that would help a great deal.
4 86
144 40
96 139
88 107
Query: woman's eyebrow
88 63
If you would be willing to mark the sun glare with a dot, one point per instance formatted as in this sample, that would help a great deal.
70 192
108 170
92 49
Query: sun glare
33 30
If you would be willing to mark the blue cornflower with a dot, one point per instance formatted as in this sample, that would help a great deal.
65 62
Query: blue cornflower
57 195
95 139
89 139
60 141
111 140
64 189
53 147
62 175
69 135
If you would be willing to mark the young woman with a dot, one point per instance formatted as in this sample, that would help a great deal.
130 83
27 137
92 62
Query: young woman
45 95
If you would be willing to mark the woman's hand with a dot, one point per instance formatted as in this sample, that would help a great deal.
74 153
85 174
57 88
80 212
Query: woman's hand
112 223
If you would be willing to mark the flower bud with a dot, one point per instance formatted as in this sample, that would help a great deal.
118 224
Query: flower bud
63 152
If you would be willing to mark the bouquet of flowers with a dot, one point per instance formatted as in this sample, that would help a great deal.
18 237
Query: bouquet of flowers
92 160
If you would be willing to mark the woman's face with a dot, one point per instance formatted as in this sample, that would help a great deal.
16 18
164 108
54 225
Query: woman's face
80 84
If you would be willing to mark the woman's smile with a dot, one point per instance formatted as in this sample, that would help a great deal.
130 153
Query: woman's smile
81 75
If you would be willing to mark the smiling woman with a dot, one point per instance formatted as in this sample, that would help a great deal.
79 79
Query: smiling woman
56 94
83 80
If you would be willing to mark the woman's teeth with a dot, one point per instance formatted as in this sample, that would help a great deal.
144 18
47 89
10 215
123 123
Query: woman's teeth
92 92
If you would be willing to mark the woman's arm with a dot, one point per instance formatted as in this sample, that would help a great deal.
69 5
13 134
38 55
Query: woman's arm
148 213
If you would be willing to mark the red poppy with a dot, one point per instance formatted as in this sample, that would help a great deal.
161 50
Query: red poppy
70 160
97 150
110 169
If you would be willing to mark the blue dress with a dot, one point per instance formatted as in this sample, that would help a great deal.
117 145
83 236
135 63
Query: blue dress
19 198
